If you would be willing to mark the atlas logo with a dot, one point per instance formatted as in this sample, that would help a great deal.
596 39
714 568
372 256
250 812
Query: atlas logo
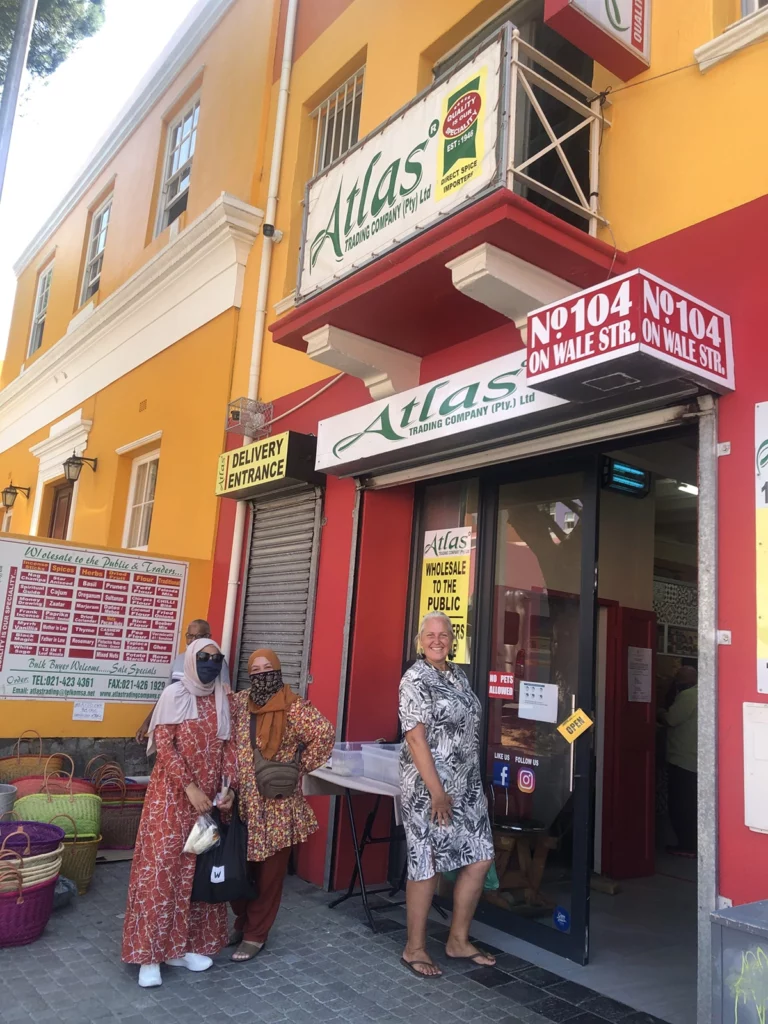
526 780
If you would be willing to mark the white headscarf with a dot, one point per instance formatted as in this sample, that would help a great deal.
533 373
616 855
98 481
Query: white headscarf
178 702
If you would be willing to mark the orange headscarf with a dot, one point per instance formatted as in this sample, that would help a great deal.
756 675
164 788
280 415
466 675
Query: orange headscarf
271 717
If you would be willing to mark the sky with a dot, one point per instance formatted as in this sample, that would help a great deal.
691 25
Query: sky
60 120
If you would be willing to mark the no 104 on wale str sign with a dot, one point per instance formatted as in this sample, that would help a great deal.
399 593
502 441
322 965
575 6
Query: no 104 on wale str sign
628 333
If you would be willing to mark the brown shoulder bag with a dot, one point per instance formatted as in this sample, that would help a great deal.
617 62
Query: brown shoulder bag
275 779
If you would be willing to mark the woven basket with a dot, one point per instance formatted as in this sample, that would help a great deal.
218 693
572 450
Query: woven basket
19 764
24 913
8 795
30 837
120 821
33 870
79 859
58 781
84 808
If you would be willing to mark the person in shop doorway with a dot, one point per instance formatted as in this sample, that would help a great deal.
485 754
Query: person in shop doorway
445 811
682 738
198 629
277 737
190 730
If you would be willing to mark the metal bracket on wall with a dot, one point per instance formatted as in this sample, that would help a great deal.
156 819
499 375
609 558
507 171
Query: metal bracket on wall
724 448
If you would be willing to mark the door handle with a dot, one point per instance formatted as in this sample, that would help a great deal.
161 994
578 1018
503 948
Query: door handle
573 708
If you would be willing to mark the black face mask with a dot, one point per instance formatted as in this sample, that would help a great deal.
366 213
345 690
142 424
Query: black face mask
265 685
208 671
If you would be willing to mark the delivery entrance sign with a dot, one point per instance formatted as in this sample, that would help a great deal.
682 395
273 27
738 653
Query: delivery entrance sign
445 581
82 623
629 332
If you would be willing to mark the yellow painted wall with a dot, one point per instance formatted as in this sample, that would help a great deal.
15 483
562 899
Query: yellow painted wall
231 67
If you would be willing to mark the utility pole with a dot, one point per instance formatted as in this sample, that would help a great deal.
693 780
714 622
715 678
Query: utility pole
16 64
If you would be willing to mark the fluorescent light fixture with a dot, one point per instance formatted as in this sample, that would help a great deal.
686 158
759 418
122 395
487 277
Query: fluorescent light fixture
688 488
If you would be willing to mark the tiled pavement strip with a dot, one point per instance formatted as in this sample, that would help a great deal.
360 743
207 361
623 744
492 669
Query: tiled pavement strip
319 966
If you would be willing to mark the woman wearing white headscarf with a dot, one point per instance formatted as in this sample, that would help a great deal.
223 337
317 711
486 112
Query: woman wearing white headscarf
189 730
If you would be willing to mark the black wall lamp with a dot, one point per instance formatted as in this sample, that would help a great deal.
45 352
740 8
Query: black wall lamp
9 494
74 464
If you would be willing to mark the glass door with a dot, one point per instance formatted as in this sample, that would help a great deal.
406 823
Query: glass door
538 582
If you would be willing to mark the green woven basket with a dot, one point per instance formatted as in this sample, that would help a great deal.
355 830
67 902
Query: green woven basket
83 808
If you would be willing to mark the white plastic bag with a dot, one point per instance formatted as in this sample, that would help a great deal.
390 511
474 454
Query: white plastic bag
204 835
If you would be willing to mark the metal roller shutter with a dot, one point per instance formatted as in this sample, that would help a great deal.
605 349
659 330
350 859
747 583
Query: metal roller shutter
280 584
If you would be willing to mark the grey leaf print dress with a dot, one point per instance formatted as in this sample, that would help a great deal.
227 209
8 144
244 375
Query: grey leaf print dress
450 712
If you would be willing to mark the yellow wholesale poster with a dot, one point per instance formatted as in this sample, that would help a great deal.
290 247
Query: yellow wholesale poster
445 581
761 542
461 137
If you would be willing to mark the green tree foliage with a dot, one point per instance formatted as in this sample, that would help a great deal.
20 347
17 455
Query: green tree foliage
59 26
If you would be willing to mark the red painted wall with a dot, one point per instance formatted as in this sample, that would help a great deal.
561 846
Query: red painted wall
723 261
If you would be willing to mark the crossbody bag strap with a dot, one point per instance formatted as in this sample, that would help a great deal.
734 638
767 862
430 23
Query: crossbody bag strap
258 757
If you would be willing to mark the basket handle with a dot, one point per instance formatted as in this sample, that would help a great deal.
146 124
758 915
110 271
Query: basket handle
121 784
6 869
109 775
111 768
18 831
17 745
93 759
69 775
74 824
14 813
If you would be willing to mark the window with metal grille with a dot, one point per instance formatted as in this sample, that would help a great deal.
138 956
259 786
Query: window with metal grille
141 501
41 309
338 121
177 168
97 239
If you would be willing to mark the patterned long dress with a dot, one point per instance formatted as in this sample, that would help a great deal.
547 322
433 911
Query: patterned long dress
445 705
160 921
277 824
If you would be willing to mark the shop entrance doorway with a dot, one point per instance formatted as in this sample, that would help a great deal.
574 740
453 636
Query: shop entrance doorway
582 594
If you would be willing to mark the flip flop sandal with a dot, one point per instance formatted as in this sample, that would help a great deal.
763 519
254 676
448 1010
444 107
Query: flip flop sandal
252 949
473 958
235 938
412 964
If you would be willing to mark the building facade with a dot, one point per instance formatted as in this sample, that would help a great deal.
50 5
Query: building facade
424 179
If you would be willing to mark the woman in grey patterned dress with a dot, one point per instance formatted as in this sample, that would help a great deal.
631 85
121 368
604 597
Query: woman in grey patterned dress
445 812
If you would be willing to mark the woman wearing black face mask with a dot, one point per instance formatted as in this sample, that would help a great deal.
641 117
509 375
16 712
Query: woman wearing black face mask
277 737
190 729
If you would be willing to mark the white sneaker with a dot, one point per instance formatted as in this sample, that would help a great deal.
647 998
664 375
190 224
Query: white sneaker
149 976
192 961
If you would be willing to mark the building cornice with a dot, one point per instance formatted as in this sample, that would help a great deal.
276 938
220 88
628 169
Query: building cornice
195 278
181 48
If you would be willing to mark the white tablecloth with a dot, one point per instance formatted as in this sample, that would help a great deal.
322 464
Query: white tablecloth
327 782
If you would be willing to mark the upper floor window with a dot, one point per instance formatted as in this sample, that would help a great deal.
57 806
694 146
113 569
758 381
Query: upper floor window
41 309
141 501
97 239
752 6
338 122
177 167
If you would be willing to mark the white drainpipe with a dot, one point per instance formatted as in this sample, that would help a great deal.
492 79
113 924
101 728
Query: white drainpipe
260 324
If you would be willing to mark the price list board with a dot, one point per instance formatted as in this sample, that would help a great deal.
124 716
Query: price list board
79 622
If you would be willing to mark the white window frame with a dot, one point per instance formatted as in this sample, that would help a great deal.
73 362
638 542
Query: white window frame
348 98
94 257
7 519
39 313
142 460
173 175
752 7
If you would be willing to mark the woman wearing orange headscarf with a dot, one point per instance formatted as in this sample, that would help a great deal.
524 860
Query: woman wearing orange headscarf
284 728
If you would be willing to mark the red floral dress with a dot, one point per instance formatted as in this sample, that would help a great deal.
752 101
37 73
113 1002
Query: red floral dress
160 921
276 824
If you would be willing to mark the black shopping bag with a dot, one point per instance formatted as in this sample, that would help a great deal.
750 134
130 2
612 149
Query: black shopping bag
221 874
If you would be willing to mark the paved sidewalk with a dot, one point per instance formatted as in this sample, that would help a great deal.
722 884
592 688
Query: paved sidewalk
319 966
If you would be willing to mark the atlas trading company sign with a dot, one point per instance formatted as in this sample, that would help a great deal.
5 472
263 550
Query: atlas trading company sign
628 333
615 33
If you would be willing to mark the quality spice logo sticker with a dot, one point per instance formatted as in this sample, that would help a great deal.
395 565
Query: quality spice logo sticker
461 150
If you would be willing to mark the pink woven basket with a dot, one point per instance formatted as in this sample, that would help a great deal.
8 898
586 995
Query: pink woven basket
24 913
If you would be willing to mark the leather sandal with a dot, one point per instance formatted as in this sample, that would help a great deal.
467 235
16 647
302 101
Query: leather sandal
246 951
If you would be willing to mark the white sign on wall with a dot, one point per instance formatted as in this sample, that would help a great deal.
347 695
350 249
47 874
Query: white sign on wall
493 392
431 159
82 623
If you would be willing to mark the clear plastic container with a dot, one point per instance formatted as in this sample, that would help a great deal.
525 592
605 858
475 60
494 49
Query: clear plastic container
380 762
347 758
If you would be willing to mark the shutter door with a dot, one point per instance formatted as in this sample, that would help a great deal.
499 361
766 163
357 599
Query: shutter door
280 584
